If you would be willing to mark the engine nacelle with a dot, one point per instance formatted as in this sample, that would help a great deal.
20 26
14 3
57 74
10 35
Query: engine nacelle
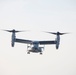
13 40
57 45
57 41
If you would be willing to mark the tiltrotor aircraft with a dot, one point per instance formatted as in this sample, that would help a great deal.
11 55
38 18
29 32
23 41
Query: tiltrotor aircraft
34 45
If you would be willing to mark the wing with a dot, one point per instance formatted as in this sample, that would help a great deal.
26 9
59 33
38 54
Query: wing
23 41
47 42
30 41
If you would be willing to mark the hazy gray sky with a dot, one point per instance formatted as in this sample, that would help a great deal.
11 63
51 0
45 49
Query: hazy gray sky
36 16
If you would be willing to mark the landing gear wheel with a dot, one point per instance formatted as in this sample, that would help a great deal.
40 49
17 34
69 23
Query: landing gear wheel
40 53
28 52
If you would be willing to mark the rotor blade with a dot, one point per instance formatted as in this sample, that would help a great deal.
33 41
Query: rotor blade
13 31
57 33
7 30
63 33
51 33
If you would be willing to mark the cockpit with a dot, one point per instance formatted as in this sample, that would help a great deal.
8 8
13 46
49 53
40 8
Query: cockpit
35 44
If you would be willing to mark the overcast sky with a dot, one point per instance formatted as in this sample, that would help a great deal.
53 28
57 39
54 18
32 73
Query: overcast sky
38 16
